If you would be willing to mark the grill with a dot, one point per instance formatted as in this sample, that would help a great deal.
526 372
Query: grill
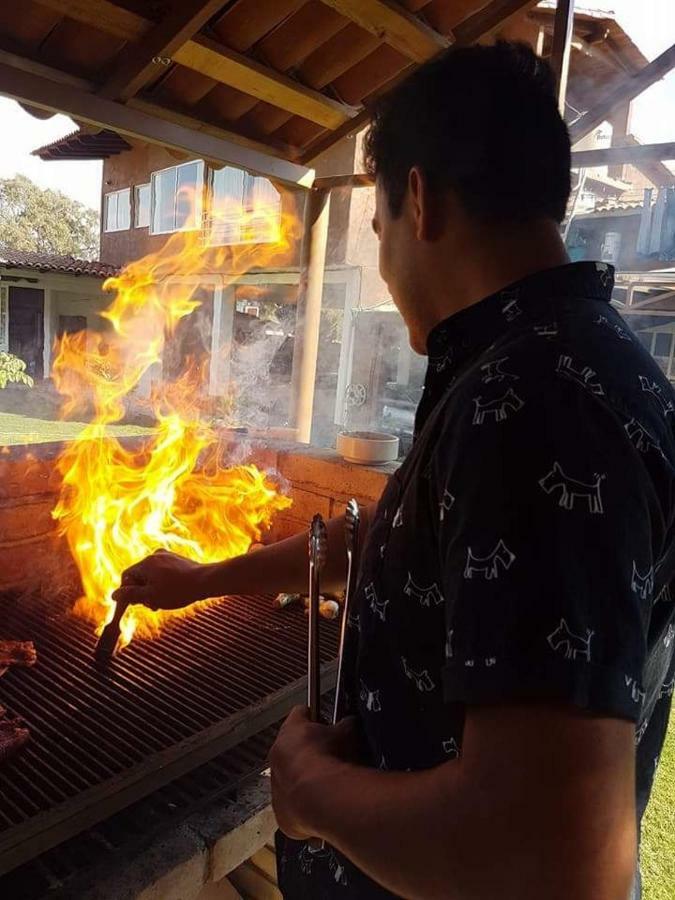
101 741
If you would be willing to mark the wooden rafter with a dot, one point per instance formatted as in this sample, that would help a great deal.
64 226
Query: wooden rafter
481 24
214 60
394 25
639 153
250 77
162 41
562 48
490 19
627 90
28 87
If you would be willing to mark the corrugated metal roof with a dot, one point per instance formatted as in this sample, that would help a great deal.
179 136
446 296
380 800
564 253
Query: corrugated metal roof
52 262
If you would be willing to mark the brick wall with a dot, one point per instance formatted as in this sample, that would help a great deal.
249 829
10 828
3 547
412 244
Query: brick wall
32 556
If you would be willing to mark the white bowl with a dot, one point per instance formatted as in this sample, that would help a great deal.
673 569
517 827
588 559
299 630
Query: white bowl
367 447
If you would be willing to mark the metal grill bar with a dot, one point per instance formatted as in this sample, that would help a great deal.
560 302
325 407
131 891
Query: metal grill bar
102 740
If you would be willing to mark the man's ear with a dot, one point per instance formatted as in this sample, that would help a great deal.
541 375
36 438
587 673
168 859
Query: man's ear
424 206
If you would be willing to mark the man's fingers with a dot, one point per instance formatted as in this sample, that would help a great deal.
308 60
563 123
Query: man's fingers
135 574
132 594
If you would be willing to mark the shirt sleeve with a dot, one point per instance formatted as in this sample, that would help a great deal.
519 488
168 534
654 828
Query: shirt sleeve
549 534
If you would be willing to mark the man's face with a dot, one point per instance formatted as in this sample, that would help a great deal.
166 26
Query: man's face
399 262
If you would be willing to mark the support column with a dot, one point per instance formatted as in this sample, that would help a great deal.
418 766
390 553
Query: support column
306 346
48 333
562 47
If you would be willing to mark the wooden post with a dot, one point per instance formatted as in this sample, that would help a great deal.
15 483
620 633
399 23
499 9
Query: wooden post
306 346
562 47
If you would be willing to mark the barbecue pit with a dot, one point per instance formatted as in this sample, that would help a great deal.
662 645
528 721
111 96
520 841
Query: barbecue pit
173 724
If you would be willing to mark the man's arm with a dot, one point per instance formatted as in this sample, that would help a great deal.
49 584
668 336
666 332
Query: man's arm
540 805
168 581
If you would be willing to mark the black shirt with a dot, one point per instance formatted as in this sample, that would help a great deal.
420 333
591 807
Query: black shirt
525 548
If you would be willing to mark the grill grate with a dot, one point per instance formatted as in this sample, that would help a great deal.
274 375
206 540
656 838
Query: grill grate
68 870
102 740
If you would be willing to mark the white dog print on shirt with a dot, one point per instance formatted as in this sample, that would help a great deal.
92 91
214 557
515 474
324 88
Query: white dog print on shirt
572 490
494 371
498 409
572 646
446 504
451 748
583 375
379 607
657 392
370 698
489 566
427 596
642 585
637 695
640 437
422 680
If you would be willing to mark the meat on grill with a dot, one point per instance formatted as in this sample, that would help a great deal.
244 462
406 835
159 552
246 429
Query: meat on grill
13 735
16 653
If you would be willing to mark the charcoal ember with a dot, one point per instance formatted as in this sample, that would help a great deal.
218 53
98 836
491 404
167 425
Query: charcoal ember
16 653
13 736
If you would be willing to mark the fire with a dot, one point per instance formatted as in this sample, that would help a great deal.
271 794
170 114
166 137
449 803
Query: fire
118 504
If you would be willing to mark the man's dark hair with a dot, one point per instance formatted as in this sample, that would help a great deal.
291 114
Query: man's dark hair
482 121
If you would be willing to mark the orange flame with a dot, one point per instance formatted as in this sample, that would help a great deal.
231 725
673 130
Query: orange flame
116 504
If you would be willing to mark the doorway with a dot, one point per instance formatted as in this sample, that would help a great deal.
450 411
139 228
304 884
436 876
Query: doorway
26 328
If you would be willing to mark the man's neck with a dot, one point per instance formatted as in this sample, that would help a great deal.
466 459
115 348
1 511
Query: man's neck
488 262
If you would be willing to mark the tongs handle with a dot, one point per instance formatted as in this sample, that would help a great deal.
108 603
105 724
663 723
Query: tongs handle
352 523
318 541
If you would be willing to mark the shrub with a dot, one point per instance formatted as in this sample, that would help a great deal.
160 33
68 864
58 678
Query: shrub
13 370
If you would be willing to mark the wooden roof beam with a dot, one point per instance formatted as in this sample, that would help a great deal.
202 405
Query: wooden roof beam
490 19
627 90
481 24
394 25
246 75
28 87
214 60
639 153
161 42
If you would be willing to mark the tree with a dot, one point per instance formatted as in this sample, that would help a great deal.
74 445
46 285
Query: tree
45 221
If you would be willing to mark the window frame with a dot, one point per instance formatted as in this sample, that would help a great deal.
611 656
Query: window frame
106 202
137 190
199 193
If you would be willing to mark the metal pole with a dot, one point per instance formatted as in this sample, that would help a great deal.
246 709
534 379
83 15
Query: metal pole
306 345
562 47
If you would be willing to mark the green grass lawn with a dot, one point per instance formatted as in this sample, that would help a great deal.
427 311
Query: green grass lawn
658 828
18 429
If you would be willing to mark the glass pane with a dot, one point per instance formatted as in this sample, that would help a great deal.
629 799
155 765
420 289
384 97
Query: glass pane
111 212
163 201
189 195
663 343
123 209
264 202
225 213
142 211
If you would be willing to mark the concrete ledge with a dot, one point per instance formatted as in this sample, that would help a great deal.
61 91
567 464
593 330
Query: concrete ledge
205 848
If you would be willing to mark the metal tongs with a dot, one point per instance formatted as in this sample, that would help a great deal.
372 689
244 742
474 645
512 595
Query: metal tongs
318 552
352 523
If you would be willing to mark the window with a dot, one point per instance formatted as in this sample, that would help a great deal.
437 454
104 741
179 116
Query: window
141 206
118 210
245 209
177 198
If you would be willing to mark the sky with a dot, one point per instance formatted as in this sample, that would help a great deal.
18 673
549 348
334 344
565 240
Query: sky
650 23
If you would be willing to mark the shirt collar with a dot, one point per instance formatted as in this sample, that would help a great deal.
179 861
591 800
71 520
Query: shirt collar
453 339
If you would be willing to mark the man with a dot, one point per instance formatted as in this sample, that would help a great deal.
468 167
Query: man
510 660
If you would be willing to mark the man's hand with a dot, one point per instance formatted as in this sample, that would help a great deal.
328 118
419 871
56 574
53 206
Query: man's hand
304 759
164 581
